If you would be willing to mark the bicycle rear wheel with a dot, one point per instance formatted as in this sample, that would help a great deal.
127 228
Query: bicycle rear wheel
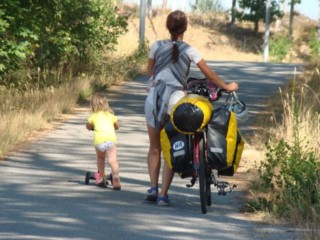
203 177
208 188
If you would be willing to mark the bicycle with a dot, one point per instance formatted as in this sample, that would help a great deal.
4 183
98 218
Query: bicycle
199 168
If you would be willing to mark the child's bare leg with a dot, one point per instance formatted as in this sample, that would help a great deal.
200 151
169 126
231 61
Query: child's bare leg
101 156
112 159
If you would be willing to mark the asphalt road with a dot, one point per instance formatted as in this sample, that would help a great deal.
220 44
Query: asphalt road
43 195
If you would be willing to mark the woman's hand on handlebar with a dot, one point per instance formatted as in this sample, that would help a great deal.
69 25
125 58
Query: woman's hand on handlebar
232 87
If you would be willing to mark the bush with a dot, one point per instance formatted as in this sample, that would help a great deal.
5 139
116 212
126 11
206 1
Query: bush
290 173
54 34
293 177
314 44
279 47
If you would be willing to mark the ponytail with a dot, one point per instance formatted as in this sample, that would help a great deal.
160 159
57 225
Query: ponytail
176 24
175 50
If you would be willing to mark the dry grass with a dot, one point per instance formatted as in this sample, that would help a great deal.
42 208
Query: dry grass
216 43
296 121
25 113
216 40
21 114
296 105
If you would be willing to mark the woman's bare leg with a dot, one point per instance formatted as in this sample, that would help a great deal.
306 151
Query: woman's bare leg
153 158
167 176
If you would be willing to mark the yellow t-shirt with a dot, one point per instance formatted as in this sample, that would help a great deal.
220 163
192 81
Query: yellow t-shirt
103 123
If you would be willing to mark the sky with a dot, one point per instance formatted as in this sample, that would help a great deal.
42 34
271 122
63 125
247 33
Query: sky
308 8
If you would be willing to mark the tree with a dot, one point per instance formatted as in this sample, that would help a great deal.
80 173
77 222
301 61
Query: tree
292 4
255 10
233 12
49 34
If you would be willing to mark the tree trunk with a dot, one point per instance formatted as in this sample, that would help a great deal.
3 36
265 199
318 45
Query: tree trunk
291 19
256 27
233 12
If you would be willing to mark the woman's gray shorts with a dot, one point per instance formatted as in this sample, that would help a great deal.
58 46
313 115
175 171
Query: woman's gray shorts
148 105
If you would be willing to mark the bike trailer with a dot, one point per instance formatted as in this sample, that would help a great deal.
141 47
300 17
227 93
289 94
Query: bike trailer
175 149
191 114
224 142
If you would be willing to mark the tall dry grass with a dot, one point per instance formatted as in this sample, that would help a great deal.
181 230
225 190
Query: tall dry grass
304 100
22 113
289 176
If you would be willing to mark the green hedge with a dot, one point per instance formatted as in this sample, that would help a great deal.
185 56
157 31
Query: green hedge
46 34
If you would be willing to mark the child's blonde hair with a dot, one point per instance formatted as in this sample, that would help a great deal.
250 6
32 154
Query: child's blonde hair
99 102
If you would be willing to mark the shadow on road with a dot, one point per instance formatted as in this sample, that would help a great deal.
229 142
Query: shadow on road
43 195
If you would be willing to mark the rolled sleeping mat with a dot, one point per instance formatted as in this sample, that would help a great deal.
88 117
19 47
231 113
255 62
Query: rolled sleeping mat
191 114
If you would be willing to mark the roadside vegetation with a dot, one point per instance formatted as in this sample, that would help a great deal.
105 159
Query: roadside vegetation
53 60
53 56
288 177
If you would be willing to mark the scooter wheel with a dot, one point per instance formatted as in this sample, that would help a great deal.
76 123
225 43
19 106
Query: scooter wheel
88 175
110 178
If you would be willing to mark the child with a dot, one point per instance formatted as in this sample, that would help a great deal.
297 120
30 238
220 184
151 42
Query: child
104 123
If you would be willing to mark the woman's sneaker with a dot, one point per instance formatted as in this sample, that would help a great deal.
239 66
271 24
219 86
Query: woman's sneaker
152 195
163 201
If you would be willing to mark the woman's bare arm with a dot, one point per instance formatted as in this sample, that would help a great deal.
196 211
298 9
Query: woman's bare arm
213 77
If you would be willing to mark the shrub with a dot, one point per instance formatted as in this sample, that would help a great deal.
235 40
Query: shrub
290 172
279 47
54 34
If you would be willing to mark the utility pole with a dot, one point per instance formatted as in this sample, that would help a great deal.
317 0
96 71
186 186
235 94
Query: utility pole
267 32
284 6
142 22
319 27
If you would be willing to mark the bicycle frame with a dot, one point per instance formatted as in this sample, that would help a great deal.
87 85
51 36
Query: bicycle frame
194 146
196 156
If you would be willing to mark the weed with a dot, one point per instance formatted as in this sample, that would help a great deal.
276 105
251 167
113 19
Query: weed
314 44
279 47
290 173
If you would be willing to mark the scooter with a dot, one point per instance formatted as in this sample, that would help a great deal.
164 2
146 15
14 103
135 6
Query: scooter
92 176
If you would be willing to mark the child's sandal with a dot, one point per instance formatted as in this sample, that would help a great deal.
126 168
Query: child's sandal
116 183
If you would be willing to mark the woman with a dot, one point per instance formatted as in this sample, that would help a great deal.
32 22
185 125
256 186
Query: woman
168 68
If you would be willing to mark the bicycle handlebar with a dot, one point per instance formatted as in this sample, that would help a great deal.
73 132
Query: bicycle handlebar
201 87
